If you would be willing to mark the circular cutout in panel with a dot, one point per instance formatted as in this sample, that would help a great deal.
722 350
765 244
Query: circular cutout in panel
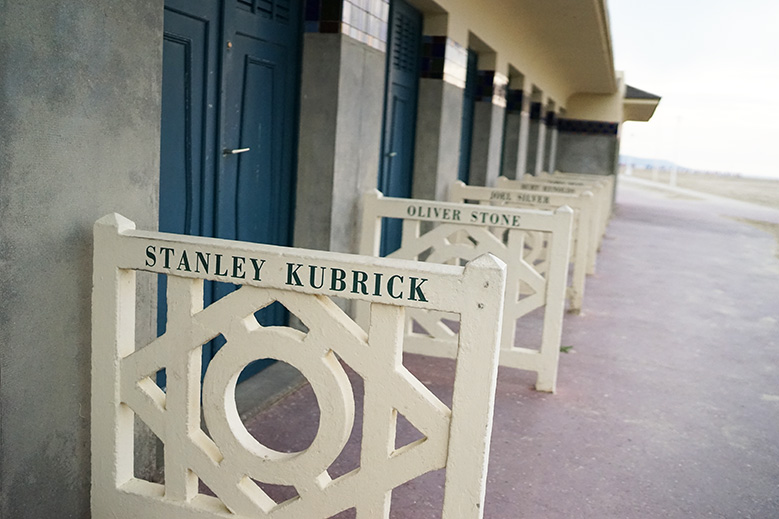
291 423
329 382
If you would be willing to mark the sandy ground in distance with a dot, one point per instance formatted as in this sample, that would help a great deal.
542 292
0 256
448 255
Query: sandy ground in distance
760 191
755 190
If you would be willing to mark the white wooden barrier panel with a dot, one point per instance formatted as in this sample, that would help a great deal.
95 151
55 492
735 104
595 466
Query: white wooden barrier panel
534 244
582 223
600 204
227 458
607 182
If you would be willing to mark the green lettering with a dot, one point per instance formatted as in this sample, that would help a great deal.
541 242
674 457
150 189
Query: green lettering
184 262
292 275
151 254
391 286
238 262
167 251
201 259
219 264
337 277
312 277
257 268
359 278
416 290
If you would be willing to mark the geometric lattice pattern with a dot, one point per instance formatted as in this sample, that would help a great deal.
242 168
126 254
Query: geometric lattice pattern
534 245
583 246
600 186
223 455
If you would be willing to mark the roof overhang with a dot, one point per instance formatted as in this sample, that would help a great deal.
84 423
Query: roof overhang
578 37
562 47
638 105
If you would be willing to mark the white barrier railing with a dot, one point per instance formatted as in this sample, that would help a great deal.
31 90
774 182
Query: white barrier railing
607 182
534 244
583 222
601 205
227 458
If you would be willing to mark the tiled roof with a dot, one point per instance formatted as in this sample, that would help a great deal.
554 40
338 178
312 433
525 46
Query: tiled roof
635 93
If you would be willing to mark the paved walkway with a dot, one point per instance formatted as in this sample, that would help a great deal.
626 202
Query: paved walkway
667 404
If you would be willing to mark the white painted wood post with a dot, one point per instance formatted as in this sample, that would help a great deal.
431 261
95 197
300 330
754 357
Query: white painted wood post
583 222
534 244
227 458
600 207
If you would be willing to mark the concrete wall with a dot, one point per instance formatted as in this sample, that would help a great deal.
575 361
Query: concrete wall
511 146
79 119
535 145
437 147
342 93
582 153
487 143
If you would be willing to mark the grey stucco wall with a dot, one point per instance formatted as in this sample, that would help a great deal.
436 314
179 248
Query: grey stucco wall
437 147
511 145
540 144
524 136
487 143
342 94
587 153
534 134
550 153
79 119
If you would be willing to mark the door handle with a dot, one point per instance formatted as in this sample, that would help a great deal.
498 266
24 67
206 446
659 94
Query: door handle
234 151
392 153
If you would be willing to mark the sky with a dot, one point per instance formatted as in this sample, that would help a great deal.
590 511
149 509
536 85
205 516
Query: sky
715 63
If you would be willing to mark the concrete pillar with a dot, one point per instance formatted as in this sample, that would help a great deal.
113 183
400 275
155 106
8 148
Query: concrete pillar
342 94
488 119
439 116
536 140
524 134
80 120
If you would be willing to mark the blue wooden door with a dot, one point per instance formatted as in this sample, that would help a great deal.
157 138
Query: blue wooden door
400 111
229 119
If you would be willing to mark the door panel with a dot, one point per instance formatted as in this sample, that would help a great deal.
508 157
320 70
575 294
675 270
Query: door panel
258 183
187 125
256 187
230 80
256 171
400 112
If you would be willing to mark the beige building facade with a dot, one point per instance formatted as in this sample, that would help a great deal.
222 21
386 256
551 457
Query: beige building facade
256 120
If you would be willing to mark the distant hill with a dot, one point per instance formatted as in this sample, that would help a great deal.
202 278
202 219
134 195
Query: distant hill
640 162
